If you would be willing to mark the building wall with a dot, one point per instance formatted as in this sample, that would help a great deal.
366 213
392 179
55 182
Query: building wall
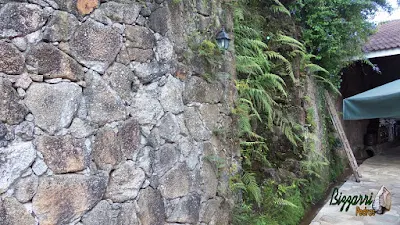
105 117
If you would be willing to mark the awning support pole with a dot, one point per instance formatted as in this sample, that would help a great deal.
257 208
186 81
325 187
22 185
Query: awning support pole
339 128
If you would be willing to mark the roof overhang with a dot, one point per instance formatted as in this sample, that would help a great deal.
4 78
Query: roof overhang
382 53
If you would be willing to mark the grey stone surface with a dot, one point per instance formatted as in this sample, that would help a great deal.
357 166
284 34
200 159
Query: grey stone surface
128 215
53 63
15 159
209 210
80 128
102 213
60 27
121 79
25 130
147 72
11 60
169 128
117 12
39 167
139 55
30 18
12 213
61 199
151 207
103 104
195 124
160 20
165 50
210 180
139 37
23 81
79 8
176 182
125 182
146 109
106 149
63 154
129 138
198 90
25 188
20 43
145 160
165 158
171 95
53 105
95 45
211 115
186 211
11 111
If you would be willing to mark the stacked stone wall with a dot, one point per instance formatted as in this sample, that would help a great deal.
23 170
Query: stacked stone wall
105 117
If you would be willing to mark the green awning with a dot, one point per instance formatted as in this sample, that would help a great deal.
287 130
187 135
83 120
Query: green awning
380 102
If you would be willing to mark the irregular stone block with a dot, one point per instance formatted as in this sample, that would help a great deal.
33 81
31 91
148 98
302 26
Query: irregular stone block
160 20
151 207
210 114
106 149
121 78
171 96
95 45
169 128
129 137
102 213
146 109
53 105
77 7
186 211
39 167
25 188
116 12
24 81
195 125
62 199
145 160
103 104
11 60
12 213
198 90
63 154
164 50
86 6
60 27
53 63
209 210
147 72
139 37
165 158
128 215
11 111
210 180
25 130
140 55
80 129
20 19
176 182
125 182
15 159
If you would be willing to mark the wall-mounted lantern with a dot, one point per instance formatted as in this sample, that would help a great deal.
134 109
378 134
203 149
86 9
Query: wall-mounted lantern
223 39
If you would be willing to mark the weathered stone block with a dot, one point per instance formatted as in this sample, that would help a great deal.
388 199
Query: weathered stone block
186 211
147 72
165 158
160 21
210 180
121 79
53 105
171 95
60 27
15 159
106 149
151 207
11 60
95 45
12 213
63 154
53 63
169 128
195 125
117 12
128 215
139 37
146 109
102 213
198 90
20 19
25 188
176 182
25 130
125 182
140 55
77 7
129 138
11 111
61 199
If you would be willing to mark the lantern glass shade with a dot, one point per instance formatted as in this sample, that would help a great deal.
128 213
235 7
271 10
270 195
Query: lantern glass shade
223 39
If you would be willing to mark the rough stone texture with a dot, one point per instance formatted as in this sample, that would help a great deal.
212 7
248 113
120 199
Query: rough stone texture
63 154
169 128
25 188
117 12
210 180
121 79
95 45
160 20
102 213
62 199
198 90
60 27
86 6
80 129
186 211
19 19
11 60
129 138
106 149
12 213
139 37
151 207
104 105
11 111
171 96
53 105
15 159
25 130
128 215
165 158
125 182
176 182
145 108
77 7
24 81
147 72
53 63
39 167
195 125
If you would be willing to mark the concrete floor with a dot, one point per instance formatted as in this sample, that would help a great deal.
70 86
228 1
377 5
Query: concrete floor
383 169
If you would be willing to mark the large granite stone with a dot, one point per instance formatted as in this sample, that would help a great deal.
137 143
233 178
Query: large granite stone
11 111
60 27
139 55
14 213
139 37
151 207
102 213
110 12
147 72
186 211
53 105
14 160
106 149
62 199
198 90
146 109
209 180
20 19
25 188
95 45
195 125
121 79
63 154
11 60
171 95
125 182
103 104
53 63
165 158
169 128
129 138
127 214
176 182
160 20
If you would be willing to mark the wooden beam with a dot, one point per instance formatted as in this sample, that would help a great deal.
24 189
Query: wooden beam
339 128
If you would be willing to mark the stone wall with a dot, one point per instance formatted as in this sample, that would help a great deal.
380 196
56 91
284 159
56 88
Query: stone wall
105 117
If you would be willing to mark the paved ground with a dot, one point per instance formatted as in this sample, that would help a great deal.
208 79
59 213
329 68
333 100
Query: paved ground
380 170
